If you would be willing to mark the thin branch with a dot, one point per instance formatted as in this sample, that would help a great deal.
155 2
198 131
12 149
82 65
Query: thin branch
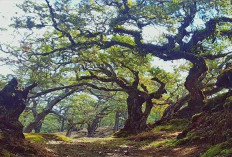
55 25
212 57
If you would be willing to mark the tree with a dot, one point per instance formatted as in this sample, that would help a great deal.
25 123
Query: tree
47 110
12 104
76 31
89 109
118 74
186 40
225 78
183 44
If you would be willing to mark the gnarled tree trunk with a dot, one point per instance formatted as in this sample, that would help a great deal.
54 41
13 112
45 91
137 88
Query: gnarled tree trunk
92 126
192 84
135 121
72 126
12 104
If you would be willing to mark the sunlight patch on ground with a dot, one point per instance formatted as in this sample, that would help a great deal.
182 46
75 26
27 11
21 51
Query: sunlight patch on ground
185 151
89 139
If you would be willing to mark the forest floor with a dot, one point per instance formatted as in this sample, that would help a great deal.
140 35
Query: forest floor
155 143
159 145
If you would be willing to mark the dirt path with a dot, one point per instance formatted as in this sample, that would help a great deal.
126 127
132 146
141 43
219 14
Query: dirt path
160 144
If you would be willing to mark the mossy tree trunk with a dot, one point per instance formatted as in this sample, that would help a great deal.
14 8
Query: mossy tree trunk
69 132
71 127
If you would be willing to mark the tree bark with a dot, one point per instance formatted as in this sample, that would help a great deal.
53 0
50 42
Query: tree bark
136 119
196 101
225 78
36 121
62 125
71 127
170 111
93 127
69 132
116 121
39 127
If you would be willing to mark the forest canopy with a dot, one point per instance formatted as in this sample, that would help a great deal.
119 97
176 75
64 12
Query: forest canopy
93 62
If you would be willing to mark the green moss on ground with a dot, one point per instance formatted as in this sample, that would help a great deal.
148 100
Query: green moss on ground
35 138
172 125
45 137
191 137
222 149
5 153
98 147
165 143
145 136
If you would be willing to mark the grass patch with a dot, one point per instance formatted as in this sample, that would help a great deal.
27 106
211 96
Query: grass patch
34 138
45 137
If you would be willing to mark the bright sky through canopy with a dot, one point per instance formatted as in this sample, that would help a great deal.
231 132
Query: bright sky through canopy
8 9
